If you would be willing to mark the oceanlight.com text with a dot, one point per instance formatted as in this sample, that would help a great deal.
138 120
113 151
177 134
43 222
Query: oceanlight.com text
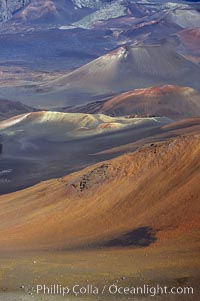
111 289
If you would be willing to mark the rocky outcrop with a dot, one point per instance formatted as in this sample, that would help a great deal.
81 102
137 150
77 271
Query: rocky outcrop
93 177
9 7
87 3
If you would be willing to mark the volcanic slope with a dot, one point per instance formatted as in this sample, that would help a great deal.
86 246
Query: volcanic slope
189 126
185 18
43 145
149 196
124 69
171 101
190 38
12 108
63 126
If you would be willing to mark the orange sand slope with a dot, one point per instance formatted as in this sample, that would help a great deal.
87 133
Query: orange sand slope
137 199
172 101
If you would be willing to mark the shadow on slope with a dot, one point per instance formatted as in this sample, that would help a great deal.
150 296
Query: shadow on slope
140 237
